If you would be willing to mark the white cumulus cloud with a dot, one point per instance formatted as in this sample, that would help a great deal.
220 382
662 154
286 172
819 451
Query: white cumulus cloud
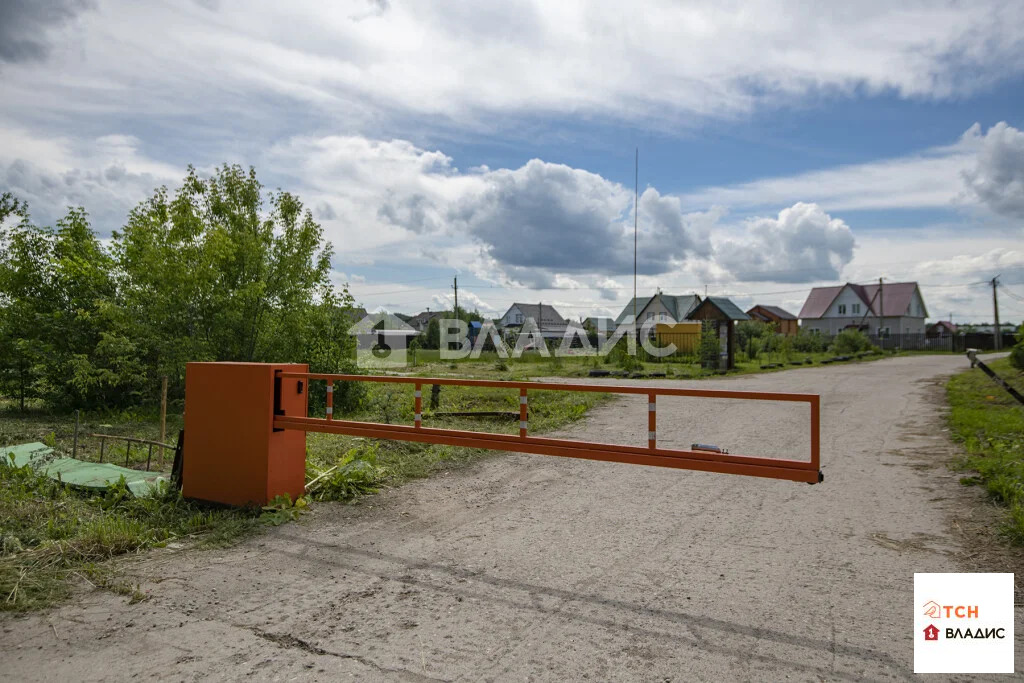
804 244
997 177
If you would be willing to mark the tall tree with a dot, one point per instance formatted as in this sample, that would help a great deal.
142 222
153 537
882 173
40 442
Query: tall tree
223 272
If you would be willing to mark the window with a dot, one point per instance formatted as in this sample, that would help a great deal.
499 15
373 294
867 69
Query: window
883 332
519 318
842 309
661 317
856 308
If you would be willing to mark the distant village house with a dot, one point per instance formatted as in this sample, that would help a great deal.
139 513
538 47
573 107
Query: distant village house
880 310
785 322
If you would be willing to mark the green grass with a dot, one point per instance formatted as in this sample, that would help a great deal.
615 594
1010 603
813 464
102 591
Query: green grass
51 535
989 423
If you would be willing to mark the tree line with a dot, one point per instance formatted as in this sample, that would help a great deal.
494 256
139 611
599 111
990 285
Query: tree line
220 270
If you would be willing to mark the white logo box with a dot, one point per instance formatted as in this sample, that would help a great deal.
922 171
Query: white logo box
961 605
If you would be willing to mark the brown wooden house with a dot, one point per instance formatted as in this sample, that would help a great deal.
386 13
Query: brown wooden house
724 314
784 321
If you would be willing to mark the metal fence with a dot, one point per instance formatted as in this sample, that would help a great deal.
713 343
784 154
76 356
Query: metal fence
956 343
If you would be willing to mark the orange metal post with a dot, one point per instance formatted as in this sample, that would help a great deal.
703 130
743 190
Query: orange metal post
816 432
330 399
651 422
418 419
523 415
233 453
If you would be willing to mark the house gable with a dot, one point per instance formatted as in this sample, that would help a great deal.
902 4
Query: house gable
513 316
848 303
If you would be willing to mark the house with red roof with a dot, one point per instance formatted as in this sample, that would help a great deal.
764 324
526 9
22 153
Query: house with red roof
877 309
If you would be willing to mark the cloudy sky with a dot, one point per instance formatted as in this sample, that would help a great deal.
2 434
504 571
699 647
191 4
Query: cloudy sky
780 147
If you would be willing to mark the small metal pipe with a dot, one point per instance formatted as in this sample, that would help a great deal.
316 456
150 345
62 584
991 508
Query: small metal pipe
127 453
103 442
149 457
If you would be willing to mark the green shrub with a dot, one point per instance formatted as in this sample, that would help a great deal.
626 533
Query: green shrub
851 341
709 348
806 341
1017 352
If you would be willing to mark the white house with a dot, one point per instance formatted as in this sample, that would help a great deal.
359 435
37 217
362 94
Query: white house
551 324
889 308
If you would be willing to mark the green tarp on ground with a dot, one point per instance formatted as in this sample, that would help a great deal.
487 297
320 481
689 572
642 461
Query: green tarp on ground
73 472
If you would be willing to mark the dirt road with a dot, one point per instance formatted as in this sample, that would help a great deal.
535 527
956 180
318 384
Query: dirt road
536 568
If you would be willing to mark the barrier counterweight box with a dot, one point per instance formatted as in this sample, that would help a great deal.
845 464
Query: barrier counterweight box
232 453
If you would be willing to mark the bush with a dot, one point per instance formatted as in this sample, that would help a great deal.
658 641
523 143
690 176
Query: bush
1017 352
710 347
851 341
808 342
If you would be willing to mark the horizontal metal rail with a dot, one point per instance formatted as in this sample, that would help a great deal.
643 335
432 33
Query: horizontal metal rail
777 468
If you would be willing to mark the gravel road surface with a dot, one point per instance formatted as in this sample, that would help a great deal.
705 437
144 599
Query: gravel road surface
527 567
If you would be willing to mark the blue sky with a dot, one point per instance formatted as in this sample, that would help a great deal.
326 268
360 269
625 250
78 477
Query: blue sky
782 145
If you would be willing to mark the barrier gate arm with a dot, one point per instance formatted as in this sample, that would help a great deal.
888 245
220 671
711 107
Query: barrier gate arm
808 471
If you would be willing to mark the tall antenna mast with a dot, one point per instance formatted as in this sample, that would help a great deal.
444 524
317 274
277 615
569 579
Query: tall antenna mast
636 211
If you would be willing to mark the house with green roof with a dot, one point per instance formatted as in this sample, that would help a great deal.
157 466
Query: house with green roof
721 314
663 308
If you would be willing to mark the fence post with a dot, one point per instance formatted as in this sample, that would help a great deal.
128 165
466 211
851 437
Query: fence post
330 399
523 416
652 421
74 447
418 419
163 420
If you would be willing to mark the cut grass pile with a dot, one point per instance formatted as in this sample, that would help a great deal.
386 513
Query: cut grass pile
990 425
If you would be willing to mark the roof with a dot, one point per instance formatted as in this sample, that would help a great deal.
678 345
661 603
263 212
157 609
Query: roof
679 305
375 323
897 297
627 312
819 300
725 306
423 319
547 314
779 313
945 324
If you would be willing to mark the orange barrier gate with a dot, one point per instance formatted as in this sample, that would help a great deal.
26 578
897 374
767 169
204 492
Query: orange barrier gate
245 426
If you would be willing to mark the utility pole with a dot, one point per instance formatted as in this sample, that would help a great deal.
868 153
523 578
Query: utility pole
456 298
636 211
881 306
995 312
